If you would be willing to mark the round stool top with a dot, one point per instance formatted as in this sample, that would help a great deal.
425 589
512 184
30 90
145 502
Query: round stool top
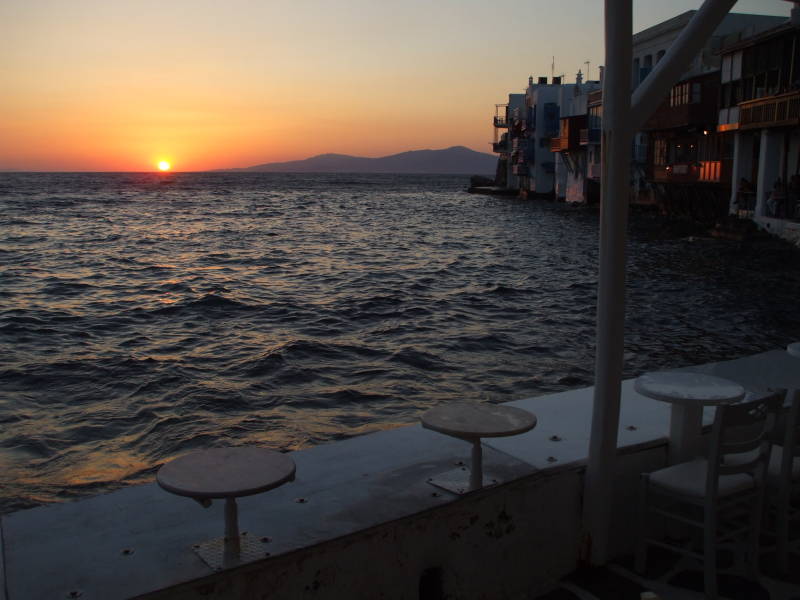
794 349
226 472
688 388
470 420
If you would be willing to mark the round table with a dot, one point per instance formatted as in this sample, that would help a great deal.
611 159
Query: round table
227 473
794 349
471 422
688 393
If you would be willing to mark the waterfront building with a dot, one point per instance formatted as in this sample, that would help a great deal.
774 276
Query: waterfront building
688 168
527 163
759 115
535 160
577 147
506 177
679 162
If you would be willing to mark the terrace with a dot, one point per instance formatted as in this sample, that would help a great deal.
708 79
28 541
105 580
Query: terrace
362 520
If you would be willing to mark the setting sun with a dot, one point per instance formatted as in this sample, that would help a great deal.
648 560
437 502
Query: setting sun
163 165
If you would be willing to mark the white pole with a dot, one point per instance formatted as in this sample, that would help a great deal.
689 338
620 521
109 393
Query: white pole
620 121
614 190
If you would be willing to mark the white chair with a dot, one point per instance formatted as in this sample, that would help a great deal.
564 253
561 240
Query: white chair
725 491
783 479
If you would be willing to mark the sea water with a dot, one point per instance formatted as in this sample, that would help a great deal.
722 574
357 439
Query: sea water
146 315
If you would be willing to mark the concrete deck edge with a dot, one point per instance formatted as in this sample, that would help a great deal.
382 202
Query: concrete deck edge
3 584
531 478
647 432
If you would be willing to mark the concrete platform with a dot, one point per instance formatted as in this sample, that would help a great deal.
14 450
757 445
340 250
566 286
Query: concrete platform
138 541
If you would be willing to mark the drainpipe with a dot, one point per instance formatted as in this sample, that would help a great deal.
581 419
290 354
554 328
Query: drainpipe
621 118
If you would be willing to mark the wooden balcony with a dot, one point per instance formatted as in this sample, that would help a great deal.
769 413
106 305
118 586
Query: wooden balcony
569 138
671 117
589 136
774 111
710 171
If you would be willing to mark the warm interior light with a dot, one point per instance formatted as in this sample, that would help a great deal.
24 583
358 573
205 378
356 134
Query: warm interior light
163 165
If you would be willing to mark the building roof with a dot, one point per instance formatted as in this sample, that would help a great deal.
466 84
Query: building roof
744 24
760 37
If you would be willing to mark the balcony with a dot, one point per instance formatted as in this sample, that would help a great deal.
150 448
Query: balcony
589 136
502 146
709 171
501 121
775 111
568 137
684 115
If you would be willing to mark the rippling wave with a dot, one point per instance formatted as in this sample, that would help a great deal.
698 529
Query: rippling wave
146 315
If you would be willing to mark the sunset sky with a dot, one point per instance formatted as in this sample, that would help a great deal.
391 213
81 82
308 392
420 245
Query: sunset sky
118 85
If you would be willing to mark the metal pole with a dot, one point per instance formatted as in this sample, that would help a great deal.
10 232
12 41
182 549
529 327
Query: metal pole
476 470
232 545
614 190
621 119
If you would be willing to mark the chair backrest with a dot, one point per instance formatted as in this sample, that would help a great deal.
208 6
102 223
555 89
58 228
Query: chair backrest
790 440
740 438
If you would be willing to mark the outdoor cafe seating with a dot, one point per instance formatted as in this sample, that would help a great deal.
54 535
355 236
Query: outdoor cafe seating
726 499
783 481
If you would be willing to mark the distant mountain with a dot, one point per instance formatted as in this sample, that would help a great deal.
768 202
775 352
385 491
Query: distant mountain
457 160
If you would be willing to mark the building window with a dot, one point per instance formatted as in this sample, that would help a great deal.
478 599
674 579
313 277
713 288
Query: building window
726 95
660 152
683 152
596 117
709 147
767 67
685 93
736 92
660 55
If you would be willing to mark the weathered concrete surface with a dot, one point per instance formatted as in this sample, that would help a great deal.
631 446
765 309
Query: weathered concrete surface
509 542
561 436
370 526
346 487
773 369
514 541
2 567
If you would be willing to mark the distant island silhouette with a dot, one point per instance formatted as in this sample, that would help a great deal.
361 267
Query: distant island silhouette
456 160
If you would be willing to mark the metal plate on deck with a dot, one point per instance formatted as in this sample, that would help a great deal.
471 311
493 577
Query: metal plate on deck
213 552
457 480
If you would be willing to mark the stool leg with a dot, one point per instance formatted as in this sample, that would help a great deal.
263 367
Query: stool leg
232 546
476 470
